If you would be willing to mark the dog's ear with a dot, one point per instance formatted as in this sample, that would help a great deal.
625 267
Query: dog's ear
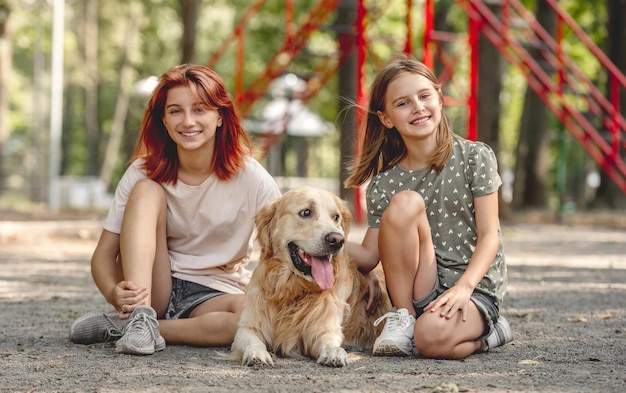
346 215
263 221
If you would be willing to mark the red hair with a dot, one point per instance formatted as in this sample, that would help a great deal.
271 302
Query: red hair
158 150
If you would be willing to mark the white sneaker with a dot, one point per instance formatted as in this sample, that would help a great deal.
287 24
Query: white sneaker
396 338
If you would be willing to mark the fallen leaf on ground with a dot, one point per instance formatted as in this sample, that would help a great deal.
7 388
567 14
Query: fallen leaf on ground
530 362
447 387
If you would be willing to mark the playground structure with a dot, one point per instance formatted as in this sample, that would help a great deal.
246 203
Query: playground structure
591 117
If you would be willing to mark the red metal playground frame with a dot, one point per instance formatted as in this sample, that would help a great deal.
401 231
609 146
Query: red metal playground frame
591 117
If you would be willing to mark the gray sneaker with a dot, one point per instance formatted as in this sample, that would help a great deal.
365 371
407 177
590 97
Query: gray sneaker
97 327
501 335
141 333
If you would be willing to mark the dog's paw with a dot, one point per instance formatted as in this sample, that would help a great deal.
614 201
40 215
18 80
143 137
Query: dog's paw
333 357
255 355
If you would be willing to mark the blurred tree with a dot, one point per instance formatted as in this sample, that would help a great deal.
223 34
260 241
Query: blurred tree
189 10
344 25
608 194
111 45
490 72
532 168
92 81
6 56
126 83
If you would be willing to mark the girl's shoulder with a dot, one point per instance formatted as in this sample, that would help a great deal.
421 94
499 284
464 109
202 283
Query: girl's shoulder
253 169
473 153
470 148
137 165
253 174
135 172
480 163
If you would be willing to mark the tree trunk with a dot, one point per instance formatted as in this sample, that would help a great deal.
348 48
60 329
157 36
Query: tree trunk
532 166
608 194
189 15
126 82
91 86
490 71
344 24
5 69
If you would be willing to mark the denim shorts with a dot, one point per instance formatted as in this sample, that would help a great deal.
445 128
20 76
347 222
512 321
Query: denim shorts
484 303
186 296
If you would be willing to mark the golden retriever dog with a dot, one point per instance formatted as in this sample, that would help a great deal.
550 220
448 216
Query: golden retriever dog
306 298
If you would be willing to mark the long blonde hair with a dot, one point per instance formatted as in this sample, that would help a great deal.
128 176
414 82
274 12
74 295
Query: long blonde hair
380 148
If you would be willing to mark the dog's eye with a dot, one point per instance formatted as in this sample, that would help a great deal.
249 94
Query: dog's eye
337 217
305 213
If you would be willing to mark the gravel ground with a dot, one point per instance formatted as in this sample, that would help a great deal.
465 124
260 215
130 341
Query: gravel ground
566 304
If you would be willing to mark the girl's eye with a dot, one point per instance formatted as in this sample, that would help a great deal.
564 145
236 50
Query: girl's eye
305 213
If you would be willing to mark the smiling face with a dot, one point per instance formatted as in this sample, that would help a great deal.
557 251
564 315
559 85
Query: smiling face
190 123
413 106
307 228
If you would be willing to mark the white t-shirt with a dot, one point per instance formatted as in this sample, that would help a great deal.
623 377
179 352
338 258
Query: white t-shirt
209 226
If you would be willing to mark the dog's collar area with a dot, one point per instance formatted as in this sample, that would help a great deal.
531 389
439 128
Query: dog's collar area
297 261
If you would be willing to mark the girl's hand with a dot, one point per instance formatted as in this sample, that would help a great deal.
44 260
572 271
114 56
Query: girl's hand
127 296
374 294
448 303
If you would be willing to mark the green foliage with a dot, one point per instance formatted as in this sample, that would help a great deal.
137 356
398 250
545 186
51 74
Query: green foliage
157 48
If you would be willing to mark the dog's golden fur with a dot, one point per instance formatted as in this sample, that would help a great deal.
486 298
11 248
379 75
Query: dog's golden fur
298 312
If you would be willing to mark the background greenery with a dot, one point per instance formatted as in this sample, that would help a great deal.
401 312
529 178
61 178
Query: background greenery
109 45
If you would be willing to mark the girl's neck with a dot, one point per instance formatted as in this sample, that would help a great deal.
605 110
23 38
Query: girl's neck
418 154
195 167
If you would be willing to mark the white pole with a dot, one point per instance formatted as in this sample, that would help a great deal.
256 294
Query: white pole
56 104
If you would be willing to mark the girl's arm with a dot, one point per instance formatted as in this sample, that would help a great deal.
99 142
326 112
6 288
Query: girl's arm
457 298
106 270
366 253
486 215
367 258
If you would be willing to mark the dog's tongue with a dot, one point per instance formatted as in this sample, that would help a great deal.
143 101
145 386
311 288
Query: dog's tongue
322 271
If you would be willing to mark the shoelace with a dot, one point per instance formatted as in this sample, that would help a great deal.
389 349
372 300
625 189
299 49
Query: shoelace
114 323
112 334
138 321
394 319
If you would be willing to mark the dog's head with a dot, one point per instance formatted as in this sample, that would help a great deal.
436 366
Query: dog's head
308 227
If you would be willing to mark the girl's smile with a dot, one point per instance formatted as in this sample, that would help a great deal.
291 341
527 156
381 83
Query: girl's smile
412 106
191 124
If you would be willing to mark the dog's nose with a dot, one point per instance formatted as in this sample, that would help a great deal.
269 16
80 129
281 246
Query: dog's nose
335 240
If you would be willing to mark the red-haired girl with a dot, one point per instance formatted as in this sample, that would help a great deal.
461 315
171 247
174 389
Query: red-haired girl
176 240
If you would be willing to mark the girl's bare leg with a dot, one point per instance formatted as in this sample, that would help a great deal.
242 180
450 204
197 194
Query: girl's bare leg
143 244
406 250
438 337
212 323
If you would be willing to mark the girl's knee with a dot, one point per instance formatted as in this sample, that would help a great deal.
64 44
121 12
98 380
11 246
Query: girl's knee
147 192
147 188
405 205
432 335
